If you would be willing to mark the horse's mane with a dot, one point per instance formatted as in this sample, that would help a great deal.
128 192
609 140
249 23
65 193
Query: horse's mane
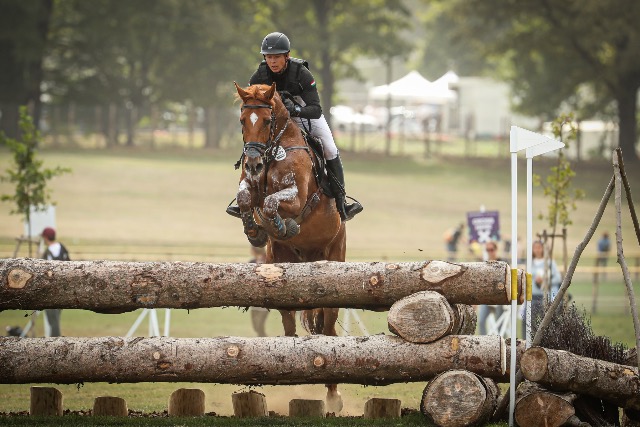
258 92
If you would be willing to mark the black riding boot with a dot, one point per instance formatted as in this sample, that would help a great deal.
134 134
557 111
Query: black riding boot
336 181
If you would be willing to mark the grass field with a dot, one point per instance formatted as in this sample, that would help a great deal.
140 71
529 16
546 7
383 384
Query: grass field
152 205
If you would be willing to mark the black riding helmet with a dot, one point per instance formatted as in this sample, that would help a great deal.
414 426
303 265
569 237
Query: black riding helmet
275 43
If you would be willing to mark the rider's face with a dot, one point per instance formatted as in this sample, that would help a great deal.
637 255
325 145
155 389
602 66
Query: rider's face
276 62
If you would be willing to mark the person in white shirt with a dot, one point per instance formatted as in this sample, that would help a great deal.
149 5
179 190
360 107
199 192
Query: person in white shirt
54 251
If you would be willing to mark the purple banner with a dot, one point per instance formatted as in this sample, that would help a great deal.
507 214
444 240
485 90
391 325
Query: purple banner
483 226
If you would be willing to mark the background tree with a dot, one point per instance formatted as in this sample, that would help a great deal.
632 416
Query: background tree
28 175
550 50
24 26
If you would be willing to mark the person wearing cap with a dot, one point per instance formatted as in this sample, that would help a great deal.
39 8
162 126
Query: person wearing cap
54 251
297 87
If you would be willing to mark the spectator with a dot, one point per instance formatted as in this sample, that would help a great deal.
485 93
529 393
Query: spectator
452 238
604 246
540 289
258 314
491 248
54 251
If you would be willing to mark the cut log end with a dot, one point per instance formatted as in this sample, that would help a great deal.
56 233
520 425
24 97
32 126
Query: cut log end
421 318
539 407
534 363
459 398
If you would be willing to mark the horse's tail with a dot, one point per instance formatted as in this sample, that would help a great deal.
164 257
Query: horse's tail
313 320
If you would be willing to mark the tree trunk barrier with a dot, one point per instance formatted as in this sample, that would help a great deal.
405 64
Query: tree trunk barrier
315 359
116 287
564 371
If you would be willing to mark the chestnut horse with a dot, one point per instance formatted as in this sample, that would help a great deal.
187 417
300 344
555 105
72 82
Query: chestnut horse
282 204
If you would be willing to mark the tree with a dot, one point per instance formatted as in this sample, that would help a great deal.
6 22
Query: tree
24 26
552 49
28 176
331 34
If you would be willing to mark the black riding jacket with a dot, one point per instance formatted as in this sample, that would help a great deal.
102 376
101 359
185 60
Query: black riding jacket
297 80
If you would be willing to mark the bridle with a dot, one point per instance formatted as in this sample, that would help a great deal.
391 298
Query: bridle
267 150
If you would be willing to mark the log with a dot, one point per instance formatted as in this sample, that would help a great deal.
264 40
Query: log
425 317
375 408
113 286
561 370
45 401
313 359
459 398
110 406
306 408
249 404
538 407
186 402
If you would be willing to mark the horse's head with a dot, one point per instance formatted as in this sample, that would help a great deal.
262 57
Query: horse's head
261 106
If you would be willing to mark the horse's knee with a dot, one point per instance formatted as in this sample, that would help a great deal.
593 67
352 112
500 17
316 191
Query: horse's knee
244 200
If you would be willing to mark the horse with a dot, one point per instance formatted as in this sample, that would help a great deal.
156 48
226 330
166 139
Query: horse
282 202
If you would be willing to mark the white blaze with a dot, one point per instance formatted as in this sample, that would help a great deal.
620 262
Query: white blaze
254 118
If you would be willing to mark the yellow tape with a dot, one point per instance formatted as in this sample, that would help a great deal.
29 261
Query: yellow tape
529 289
514 284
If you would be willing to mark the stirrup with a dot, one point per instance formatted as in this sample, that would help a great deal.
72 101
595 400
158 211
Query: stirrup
352 209
234 210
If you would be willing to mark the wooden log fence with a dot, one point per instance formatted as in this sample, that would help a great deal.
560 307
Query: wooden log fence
315 359
116 287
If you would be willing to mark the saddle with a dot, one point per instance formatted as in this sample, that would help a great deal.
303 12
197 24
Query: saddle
322 179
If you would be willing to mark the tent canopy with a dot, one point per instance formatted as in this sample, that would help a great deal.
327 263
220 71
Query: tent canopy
414 88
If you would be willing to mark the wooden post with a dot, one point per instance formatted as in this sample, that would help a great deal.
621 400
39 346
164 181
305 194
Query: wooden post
306 408
45 401
249 404
186 402
459 398
382 408
110 406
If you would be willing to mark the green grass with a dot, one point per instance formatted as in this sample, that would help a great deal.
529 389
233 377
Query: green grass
153 205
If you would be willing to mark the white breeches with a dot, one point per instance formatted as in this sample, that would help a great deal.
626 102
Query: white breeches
320 129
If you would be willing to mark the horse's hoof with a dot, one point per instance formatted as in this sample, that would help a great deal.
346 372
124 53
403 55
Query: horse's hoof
334 402
293 228
260 238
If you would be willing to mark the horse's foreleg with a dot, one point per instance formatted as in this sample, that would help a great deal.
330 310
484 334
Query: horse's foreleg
287 199
256 234
289 322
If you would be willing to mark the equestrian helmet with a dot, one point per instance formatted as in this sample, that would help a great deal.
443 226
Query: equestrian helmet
275 43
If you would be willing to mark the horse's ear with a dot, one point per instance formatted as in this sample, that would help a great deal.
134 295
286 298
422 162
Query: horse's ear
244 95
270 92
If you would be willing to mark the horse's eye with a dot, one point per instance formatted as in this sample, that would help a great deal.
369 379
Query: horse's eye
267 122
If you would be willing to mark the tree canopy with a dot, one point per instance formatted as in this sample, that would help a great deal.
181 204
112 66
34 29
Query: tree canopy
584 52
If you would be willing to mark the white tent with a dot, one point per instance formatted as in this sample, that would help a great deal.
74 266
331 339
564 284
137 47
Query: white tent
414 88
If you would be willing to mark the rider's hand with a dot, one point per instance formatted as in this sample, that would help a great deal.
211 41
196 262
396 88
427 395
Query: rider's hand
291 107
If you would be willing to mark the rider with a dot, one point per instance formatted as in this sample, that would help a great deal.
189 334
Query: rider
293 76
